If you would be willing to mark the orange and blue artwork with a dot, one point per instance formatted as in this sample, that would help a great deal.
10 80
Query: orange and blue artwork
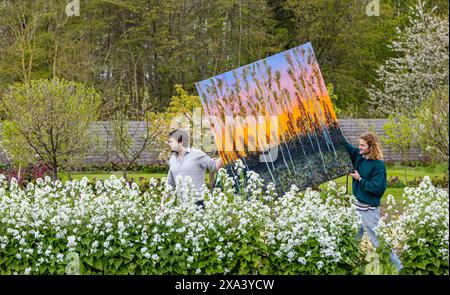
276 116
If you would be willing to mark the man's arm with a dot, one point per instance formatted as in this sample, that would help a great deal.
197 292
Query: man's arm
170 179
209 163
219 163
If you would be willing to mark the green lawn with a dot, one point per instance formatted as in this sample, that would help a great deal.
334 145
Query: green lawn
104 175
399 171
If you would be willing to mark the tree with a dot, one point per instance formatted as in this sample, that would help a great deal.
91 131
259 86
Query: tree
151 45
52 117
126 123
333 98
400 135
17 150
432 125
348 44
39 41
419 67
185 111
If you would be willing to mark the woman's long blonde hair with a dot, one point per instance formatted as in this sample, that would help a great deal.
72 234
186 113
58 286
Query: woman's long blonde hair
375 151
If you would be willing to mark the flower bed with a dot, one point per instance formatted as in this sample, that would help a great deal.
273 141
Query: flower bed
111 227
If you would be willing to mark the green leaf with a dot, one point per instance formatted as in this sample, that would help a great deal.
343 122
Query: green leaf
132 266
98 264
89 260
85 241
118 262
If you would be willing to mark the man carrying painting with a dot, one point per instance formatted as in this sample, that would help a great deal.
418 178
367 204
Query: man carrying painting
186 161
369 185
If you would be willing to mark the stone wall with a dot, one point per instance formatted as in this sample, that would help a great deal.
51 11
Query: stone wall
98 154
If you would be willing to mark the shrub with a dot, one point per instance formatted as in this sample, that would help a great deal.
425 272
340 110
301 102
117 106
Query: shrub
107 167
155 168
432 123
394 181
27 174
315 234
436 181
420 234
49 118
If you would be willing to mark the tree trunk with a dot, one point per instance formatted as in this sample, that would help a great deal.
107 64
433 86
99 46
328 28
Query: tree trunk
19 172
55 171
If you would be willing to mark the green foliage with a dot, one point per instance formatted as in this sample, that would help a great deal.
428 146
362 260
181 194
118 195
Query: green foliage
39 41
432 122
185 112
183 103
17 150
299 233
437 181
334 99
394 181
51 119
348 44
378 263
425 127
420 233
153 45
419 64
399 134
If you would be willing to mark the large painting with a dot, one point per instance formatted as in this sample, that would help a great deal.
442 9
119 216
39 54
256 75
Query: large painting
276 116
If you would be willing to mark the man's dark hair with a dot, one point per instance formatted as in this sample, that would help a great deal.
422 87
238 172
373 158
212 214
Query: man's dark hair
180 135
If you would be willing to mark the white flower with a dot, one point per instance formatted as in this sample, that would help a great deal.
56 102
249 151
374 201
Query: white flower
155 257
71 241
301 260
147 255
59 256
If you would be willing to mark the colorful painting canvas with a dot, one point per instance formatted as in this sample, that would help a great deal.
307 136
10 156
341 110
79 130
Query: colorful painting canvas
277 117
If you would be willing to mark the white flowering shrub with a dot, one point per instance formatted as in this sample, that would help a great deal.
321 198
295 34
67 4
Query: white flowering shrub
419 65
420 234
315 233
112 227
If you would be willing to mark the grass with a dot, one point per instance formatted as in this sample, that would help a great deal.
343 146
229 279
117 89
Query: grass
105 175
64 176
